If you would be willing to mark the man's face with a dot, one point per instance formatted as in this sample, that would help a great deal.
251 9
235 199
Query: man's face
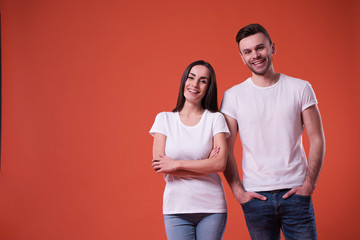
256 52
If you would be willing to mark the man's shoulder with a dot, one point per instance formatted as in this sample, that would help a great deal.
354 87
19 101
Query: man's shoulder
238 87
293 81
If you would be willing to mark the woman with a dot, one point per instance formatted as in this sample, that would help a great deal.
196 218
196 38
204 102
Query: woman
190 148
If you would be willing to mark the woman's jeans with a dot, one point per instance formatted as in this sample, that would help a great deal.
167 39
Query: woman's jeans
199 226
294 216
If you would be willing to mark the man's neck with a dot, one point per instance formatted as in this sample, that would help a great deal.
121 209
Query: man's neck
266 80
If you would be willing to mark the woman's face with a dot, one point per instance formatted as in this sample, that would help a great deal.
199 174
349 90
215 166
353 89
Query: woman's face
197 84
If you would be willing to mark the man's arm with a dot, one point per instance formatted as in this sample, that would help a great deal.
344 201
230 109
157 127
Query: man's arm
314 130
231 172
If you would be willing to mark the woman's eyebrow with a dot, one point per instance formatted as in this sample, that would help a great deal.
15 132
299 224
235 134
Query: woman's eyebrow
193 74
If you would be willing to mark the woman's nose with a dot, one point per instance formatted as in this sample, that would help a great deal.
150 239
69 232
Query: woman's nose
195 83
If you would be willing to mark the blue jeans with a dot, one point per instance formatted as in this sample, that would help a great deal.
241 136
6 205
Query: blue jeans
294 216
199 226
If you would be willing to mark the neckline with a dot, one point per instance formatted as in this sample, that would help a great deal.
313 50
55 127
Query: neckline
187 126
269 87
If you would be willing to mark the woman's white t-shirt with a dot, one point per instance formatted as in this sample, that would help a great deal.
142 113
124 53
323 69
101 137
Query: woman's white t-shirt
203 194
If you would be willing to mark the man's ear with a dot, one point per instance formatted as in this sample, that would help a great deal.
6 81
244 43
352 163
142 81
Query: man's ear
273 48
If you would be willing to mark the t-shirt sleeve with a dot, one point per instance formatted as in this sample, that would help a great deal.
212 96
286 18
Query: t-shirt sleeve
220 126
159 125
308 97
228 106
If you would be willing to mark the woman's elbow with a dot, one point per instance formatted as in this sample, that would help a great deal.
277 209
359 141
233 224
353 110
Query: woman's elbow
222 168
221 164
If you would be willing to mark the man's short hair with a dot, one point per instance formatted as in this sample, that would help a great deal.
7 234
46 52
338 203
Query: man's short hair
251 29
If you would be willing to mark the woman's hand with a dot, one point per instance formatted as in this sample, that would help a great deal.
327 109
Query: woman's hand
164 164
214 152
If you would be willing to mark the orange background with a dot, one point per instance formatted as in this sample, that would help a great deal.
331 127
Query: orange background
83 81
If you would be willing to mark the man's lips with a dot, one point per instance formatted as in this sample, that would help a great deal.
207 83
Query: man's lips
258 62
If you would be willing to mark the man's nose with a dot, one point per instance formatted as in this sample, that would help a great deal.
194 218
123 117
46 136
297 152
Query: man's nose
256 54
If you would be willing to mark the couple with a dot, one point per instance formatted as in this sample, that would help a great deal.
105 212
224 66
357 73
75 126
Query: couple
269 110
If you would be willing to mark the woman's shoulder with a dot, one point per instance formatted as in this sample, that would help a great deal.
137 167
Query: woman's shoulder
217 113
166 115
214 115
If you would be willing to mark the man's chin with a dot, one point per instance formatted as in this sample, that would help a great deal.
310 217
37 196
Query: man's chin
258 73
261 73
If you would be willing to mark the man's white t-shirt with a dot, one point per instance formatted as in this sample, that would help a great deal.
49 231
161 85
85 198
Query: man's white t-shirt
270 129
203 194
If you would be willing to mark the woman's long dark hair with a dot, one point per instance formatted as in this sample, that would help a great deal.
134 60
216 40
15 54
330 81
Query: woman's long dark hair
209 101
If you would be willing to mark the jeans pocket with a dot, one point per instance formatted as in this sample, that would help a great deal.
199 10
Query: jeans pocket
246 203
302 198
299 206
250 206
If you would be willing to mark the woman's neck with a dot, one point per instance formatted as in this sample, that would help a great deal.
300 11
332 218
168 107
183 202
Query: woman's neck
191 109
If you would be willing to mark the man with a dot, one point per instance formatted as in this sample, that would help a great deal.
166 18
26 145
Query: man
270 110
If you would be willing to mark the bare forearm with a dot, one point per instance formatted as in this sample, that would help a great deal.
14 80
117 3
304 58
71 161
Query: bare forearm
204 166
231 174
316 159
184 173
313 126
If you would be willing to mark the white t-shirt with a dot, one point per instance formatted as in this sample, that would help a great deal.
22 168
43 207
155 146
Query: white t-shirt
203 194
270 129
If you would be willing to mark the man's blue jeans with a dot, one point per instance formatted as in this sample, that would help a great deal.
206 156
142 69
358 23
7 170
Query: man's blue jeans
294 216
199 226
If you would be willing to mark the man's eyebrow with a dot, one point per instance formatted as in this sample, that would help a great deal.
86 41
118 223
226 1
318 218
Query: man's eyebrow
261 44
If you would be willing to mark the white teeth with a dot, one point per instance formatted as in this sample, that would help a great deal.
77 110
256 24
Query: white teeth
192 91
257 63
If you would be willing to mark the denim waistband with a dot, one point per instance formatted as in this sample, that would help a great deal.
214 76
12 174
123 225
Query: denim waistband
275 191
